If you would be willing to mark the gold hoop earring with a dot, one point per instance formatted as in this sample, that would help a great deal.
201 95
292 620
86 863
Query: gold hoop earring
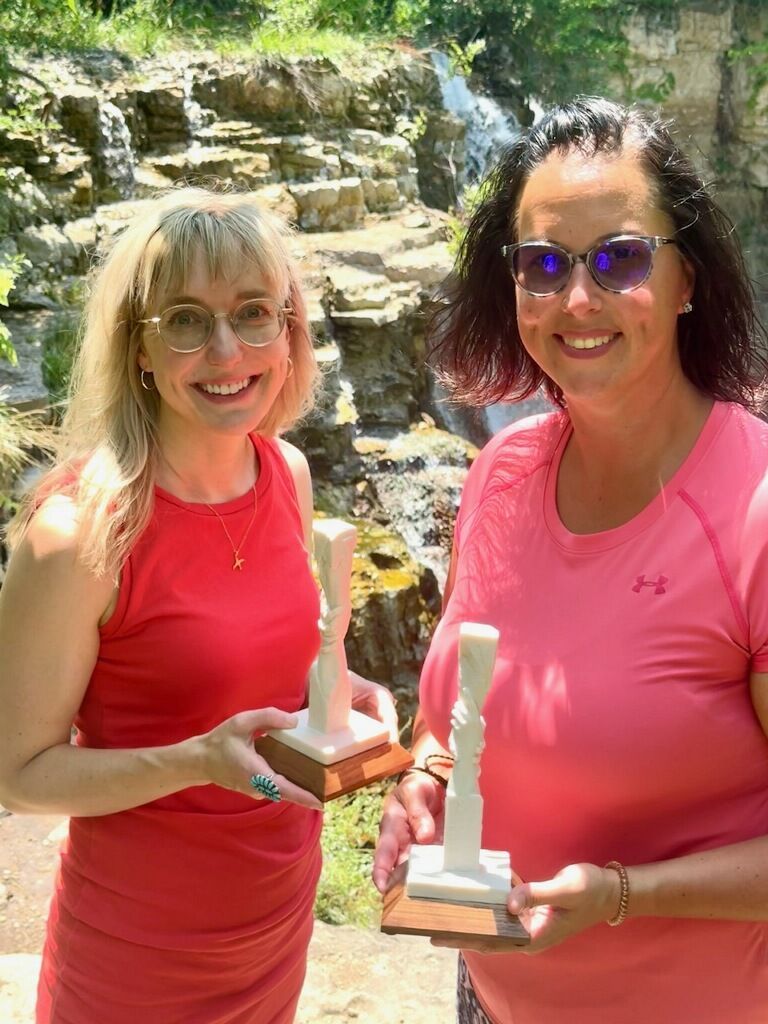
144 383
290 368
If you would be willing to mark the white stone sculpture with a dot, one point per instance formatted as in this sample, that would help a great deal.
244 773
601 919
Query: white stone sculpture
329 730
330 689
460 870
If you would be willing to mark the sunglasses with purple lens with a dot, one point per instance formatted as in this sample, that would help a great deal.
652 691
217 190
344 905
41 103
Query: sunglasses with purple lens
618 264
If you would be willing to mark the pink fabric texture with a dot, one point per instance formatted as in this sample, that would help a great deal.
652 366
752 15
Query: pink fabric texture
196 907
618 723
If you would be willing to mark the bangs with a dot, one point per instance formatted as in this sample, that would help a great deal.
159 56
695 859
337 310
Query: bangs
228 239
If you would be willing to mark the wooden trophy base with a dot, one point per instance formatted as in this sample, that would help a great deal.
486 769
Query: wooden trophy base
328 781
442 919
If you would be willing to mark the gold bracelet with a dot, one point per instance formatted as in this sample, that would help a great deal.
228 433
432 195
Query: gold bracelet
621 913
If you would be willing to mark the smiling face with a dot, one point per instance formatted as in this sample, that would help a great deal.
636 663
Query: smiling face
598 346
226 387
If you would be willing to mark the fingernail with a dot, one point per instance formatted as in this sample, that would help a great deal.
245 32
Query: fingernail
514 904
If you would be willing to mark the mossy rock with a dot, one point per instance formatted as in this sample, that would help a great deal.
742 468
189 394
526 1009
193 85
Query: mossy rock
395 606
423 445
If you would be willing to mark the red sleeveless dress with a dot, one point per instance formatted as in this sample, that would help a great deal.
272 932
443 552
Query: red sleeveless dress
197 907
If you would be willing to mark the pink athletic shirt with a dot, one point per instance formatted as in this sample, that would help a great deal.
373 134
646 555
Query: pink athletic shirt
618 723
196 907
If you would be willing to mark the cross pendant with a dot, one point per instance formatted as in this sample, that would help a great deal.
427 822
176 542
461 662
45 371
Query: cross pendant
238 563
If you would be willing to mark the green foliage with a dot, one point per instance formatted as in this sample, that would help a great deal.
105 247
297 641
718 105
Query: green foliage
469 200
654 92
755 58
150 27
21 433
346 894
59 347
10 268
278 41
29 24
24 117
461 58
353 17
414 129
555 47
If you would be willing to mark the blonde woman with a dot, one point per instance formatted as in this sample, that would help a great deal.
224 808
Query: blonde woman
160 597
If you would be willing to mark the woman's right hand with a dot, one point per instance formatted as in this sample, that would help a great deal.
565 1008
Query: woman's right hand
411 814
228 757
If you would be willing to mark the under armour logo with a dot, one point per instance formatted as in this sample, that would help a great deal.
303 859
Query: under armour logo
657 584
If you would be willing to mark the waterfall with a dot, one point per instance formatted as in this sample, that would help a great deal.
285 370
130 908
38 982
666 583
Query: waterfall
488 126
114 155
194 115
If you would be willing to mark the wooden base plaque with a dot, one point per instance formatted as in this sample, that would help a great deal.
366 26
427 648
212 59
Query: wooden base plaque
328 781
408 915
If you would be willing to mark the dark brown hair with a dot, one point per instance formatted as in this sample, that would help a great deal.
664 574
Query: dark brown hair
475 342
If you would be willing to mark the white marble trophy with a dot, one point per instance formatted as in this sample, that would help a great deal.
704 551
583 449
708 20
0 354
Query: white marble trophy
458 889
460 869
333 749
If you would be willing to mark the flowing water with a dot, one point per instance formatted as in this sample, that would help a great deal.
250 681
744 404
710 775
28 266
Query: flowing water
489 129
115 157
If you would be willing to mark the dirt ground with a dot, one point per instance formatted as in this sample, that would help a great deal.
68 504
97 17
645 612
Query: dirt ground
353 975
28 854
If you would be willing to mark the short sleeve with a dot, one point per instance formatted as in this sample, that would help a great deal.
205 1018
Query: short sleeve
508 457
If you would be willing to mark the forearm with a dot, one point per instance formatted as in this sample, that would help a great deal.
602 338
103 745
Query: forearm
729 883
424 743
83 782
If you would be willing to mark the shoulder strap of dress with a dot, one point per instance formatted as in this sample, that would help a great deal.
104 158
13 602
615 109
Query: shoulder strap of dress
295 471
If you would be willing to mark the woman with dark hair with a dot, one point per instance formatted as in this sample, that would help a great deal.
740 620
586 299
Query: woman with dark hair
620 546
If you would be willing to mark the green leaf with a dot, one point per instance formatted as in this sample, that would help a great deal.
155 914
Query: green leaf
7 278
7 351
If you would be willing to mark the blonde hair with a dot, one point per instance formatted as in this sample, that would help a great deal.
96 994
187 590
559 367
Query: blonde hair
107 448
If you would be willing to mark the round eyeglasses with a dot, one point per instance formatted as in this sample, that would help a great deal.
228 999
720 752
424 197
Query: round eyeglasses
618 264
188 328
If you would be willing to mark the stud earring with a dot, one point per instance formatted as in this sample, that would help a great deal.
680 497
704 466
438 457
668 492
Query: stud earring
144 382
687 308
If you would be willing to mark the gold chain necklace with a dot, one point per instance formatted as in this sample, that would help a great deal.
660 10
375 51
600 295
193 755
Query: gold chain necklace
238 561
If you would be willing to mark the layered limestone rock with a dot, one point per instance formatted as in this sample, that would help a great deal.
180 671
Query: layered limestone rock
681 56
706 61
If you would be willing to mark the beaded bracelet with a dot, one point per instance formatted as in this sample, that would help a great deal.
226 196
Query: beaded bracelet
425 771
621 913
444 760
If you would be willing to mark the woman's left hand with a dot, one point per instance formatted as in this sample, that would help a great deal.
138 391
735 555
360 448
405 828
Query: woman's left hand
578 897
375 700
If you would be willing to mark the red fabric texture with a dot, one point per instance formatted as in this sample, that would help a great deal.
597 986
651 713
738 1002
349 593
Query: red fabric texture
196 907
619 723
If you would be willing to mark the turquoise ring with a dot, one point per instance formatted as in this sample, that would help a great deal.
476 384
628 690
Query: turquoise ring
265 787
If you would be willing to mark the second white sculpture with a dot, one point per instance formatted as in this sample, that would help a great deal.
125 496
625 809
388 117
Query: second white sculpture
460 870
